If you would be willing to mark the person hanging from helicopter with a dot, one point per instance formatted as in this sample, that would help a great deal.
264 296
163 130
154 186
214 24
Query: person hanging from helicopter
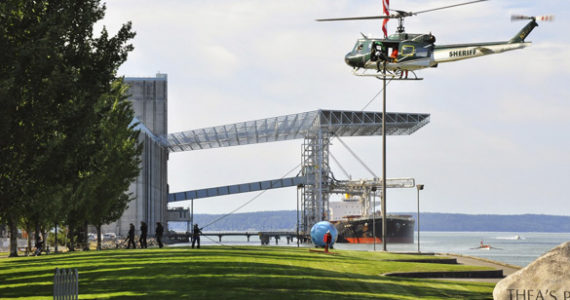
394 55
378 51
379 54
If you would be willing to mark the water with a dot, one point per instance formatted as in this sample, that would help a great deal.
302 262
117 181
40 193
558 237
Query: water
504 245
505 248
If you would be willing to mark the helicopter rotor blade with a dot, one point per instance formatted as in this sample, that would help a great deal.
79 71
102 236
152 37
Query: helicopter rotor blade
357 18
520 17
399 14
444 7
548 18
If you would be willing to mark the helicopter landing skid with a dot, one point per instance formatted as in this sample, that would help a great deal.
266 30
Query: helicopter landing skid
391 75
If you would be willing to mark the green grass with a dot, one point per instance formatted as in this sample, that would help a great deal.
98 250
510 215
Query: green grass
233 273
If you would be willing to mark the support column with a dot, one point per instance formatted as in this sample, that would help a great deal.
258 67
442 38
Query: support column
315 166
384 214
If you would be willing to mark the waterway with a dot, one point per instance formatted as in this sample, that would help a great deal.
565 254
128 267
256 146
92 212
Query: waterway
508 247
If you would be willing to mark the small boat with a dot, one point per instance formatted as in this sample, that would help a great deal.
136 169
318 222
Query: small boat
484 246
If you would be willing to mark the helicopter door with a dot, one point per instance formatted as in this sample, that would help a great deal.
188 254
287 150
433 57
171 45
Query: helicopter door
382 51
377 51
392 52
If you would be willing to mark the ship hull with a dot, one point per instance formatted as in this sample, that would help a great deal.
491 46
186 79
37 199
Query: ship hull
400 229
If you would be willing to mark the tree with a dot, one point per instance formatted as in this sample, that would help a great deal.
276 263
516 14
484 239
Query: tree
52 73
118 160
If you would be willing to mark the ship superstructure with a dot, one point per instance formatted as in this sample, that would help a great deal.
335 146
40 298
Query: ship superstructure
357 219
358 222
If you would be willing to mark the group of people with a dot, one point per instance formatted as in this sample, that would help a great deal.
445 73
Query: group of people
142 239
158 235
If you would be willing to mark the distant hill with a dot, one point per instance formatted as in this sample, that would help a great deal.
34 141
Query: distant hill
508 223
285 220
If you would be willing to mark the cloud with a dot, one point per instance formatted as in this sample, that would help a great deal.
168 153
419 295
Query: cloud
526 108
220 61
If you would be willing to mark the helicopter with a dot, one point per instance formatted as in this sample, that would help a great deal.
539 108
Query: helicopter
402 52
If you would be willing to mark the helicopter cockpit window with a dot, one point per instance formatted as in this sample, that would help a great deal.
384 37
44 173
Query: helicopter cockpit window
408 50
357 47
362 47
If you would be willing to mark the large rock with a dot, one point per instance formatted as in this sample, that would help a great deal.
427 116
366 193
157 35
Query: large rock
547 278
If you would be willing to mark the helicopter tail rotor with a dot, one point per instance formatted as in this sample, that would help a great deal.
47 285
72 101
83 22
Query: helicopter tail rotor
521 36
548 18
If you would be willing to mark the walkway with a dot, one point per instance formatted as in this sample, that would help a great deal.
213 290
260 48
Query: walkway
476 261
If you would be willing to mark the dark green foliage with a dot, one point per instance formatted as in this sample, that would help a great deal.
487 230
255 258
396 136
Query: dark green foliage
116 164
55 84
60 237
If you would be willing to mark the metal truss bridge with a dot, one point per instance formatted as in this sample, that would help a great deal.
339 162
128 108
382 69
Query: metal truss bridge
296 126
316 128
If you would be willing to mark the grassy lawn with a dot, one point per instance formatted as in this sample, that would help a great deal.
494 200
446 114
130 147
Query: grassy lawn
232 273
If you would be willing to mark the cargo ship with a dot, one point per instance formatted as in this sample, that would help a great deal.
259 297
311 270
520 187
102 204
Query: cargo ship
359 228
400 229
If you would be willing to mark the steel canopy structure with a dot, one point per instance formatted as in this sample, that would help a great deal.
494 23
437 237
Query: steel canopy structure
316 128
296 126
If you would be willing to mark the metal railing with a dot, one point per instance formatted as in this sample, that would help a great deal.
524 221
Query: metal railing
65 284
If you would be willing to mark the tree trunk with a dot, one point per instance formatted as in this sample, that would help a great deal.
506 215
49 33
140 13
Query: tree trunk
37 233
85 237
99 237
56 241
29 232
13 236
45 239
70 243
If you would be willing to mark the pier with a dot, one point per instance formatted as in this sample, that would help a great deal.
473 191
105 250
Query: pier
264 236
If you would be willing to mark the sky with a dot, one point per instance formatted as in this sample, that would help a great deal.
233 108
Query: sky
498 141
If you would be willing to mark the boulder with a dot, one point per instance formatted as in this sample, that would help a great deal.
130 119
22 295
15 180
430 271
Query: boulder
546 278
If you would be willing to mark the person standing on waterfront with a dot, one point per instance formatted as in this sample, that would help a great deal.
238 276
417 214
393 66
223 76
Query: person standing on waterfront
158 234
328 240
142 239
196 236
131 238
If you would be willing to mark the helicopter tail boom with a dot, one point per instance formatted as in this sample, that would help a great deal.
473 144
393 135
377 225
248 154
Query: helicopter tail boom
449 53
519 37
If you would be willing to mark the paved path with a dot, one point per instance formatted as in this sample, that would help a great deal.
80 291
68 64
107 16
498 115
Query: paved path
476 261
